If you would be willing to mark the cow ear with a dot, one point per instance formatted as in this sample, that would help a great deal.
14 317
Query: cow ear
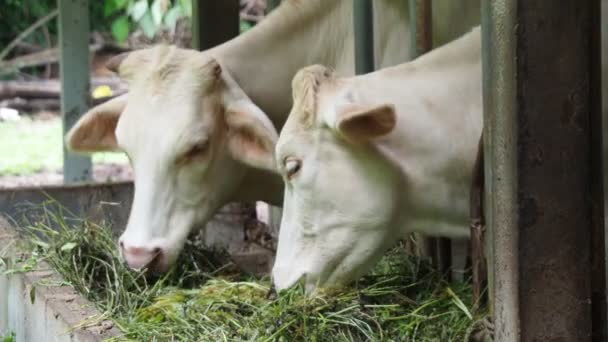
359 124
251 135
94 132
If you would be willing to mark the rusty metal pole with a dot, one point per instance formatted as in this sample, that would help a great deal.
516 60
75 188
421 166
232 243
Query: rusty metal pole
364 36
542 143
421 30
214 22
421 27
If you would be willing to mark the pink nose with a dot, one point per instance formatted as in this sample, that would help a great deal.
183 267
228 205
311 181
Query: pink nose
141 257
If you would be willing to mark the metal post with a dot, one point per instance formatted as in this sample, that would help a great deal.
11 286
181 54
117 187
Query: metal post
214 22
421 40
364 36
421 27
74 72
542 142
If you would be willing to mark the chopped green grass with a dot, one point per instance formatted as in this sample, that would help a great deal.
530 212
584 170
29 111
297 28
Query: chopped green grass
7 337
203 299
29 146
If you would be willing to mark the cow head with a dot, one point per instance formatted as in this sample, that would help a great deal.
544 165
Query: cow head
341 193
189 132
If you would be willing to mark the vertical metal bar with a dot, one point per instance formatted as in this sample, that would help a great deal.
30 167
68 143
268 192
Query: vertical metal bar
214 22
74 73
543 139
604 99
598 234
421 27
364 36
272 4
421 30
489 74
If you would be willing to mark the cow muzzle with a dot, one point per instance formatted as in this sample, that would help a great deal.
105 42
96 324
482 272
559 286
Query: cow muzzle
141 257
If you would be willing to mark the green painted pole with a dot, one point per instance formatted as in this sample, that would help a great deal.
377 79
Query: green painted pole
214 22
75 79
364 36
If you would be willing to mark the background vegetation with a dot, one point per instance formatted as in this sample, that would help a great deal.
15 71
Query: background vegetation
120 17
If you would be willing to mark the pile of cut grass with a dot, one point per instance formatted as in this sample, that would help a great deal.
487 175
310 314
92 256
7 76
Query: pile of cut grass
203 299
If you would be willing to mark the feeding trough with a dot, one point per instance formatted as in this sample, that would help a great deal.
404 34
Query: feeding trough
39 304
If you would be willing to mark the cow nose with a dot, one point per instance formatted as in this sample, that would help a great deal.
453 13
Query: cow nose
139 257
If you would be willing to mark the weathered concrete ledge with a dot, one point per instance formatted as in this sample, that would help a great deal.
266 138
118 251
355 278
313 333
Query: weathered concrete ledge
36 306
107 203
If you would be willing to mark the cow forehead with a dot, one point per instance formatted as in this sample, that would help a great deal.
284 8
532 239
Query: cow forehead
169 123
307 85
170 95
165 68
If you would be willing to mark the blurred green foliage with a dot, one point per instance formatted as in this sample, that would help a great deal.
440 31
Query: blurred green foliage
117 16
149 15
18 15
120 17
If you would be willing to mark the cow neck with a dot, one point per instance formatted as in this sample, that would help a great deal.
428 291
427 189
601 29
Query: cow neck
264 60
439 103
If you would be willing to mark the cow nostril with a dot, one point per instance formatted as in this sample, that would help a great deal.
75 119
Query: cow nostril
156 250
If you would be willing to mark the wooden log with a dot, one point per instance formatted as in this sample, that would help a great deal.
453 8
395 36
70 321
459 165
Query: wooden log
45 89
45 104
51 56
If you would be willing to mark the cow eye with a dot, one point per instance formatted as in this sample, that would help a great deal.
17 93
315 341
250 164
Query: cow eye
197 150
292 166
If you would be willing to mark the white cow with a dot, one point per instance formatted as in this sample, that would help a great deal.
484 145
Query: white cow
365 157
197 125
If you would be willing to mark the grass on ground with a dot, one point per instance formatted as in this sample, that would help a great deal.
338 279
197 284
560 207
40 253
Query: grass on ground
28 146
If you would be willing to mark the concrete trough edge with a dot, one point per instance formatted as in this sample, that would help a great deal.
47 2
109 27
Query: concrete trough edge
37 306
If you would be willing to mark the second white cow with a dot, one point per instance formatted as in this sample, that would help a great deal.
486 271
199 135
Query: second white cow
365 157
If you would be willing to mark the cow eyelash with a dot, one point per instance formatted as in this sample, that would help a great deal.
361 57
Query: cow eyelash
199 148
292 166
195 151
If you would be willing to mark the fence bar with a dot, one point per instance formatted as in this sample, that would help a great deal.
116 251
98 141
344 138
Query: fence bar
599 307
421 27
214 22
421 30
364 36
543 165
75 79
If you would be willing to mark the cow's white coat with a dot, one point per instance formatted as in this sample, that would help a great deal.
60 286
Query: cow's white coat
366 157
